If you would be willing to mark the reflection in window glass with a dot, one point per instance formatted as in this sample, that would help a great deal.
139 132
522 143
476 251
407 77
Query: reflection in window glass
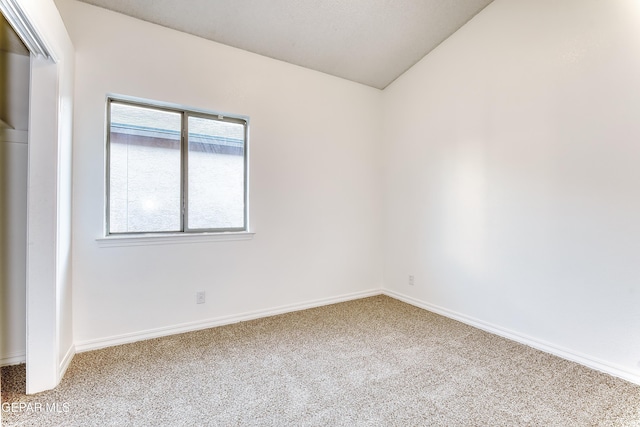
216 174
144 177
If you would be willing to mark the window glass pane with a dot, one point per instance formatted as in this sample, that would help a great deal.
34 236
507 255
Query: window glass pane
144 174
216 174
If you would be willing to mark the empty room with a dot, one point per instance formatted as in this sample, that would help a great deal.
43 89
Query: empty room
322 213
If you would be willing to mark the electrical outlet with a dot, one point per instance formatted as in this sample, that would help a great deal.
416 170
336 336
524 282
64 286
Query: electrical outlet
200 297
412 280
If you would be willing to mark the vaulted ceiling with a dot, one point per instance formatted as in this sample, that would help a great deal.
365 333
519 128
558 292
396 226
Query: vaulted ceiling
366 41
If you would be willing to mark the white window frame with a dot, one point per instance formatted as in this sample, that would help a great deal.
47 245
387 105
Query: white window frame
161 237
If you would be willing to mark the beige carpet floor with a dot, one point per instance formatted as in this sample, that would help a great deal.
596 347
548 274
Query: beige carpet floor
370 362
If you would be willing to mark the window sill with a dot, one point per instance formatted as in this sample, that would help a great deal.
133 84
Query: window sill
170 239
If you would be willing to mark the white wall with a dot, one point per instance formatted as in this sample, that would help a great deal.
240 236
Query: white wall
49 343
512 186
13 241
14 111
509 188
314 175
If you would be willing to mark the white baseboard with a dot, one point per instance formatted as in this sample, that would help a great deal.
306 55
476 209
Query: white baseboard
583 359
66 361
17 358
574 356
99 343
13 359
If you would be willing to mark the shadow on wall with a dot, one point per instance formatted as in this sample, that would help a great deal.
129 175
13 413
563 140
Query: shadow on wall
14 79
14 113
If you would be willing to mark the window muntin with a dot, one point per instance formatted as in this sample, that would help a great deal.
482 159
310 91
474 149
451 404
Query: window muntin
174 170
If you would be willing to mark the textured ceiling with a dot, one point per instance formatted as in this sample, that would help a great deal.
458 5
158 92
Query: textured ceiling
367 41
9 40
